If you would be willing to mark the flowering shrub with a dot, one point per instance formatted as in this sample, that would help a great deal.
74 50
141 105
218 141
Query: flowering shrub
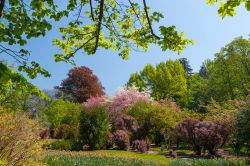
121 139
19 139
95 101
203 134
120 103
210 135
141 145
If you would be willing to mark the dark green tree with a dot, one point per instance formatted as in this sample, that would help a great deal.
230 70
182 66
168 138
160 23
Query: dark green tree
186 66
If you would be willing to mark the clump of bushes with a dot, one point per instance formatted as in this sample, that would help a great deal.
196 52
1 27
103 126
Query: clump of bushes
121 139
19 139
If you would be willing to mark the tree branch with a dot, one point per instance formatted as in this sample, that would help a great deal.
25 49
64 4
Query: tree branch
148 20
136 14
91 10
2 3
80 48
99 24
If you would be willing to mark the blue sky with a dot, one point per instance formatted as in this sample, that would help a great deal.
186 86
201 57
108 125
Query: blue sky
198 20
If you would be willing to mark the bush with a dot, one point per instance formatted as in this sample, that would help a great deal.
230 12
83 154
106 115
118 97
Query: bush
19 139
203 134
67 131
141 145
94 126
44 133
63 118
122 140
67 145
110 141
61 145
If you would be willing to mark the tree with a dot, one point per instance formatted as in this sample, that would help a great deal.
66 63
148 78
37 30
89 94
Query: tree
241 129
16 91
118 25
198 92
186 66
203 72
94 126
163 81
229 72
80 85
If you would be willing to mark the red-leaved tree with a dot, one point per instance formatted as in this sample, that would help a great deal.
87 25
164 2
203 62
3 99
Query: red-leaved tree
80 85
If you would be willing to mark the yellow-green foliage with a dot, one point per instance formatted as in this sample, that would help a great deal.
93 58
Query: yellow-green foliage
228 7
224 113
19 140
165 80
161 118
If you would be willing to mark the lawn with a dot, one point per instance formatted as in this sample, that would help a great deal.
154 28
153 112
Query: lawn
104 158
121 158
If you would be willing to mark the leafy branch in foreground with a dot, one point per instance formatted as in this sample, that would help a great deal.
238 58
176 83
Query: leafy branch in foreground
116 24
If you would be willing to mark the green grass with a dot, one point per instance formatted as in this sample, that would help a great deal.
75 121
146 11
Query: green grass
178 151
104 158
206 162
125 158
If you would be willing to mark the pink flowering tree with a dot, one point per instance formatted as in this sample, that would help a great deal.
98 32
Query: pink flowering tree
125 98
93 101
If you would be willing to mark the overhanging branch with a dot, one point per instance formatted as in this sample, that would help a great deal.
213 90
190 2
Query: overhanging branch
2 3
99 25
148 20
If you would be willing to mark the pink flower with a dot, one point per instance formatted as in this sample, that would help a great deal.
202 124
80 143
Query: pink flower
126 98
95 101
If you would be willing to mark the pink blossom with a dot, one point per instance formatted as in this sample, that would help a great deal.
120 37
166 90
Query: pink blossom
126 98
95 101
